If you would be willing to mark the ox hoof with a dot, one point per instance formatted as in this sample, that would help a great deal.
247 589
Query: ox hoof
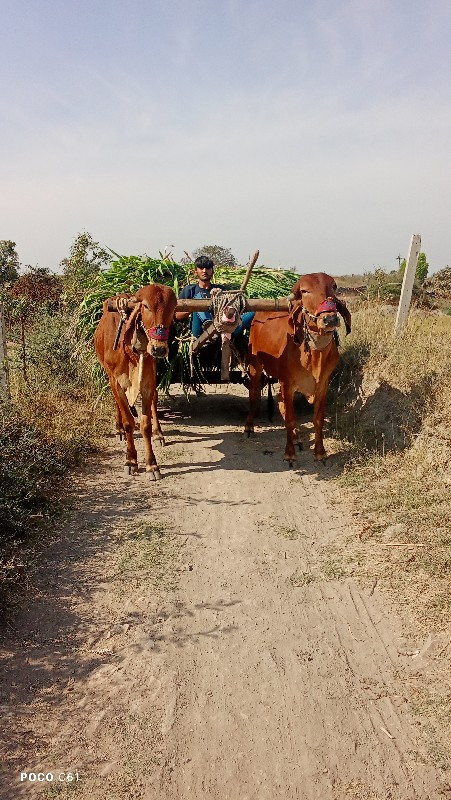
300 446
291 461
249 433
153 474
131 469
119 434
321 457
162 441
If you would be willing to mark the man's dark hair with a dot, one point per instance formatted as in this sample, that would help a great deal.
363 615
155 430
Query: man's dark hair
203 262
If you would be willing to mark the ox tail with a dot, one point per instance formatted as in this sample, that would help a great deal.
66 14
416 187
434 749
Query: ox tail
134 411
270 405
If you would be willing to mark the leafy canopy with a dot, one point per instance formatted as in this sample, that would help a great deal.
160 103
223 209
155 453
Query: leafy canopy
85 261
9 261
421 270
221 256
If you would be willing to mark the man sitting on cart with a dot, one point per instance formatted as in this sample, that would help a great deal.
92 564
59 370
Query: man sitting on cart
204 268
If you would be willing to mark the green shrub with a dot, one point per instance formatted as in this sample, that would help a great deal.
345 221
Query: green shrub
28 460
48 426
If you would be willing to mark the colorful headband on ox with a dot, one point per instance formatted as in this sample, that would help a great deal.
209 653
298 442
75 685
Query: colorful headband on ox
327 305
158 332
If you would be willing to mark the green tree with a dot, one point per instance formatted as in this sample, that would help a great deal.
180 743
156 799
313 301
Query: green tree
421 270
9 261
85 261
221 256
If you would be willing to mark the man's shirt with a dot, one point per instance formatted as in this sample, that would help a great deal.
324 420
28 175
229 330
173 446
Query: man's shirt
193 290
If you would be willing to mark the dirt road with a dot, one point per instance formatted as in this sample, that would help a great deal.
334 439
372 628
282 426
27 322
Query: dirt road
202 638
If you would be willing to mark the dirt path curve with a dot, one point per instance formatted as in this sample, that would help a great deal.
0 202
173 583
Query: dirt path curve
267 673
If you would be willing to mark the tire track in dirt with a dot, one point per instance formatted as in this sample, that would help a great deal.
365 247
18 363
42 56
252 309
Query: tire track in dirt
262 676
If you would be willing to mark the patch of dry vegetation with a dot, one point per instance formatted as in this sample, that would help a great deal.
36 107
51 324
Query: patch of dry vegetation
394 406
46 428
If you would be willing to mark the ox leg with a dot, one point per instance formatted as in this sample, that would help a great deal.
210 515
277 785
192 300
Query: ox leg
285 400
157 433
318 421
254 371
128 423
119 424
149 401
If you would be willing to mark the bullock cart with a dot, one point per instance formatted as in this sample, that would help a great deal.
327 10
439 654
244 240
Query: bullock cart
211 358
295 344
119 342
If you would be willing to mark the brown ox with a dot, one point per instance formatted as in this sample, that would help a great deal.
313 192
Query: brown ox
299 349
131 368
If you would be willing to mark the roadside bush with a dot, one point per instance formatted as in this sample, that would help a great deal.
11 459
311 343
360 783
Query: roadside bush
28 461
59 361
48 426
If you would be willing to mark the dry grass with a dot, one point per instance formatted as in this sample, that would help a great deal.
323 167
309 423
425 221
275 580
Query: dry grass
394 406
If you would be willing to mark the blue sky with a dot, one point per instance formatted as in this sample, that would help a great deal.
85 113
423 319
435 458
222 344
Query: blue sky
318 132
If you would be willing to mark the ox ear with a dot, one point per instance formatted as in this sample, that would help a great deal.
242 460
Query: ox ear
343 310
132 320
296 290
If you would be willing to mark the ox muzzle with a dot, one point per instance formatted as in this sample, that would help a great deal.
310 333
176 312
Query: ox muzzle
157 337
327 315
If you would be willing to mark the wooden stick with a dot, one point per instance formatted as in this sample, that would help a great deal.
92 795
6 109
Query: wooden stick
402 544
118 333
225 359
249 270
204 337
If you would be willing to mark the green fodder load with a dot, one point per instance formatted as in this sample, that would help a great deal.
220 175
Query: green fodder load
128 273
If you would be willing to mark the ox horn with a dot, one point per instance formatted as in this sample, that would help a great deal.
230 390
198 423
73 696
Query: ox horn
131 303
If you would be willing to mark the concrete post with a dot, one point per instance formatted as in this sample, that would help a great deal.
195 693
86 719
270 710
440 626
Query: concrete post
407 284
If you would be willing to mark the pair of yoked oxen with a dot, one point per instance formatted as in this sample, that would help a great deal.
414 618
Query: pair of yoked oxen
297 347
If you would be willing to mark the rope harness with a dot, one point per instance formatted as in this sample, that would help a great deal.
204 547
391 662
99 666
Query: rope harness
157 333
314 340
227 307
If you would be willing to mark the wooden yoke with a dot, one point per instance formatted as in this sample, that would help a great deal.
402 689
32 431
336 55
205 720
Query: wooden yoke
253 304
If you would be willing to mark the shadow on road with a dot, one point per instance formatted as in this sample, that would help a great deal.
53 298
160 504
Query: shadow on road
221 416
